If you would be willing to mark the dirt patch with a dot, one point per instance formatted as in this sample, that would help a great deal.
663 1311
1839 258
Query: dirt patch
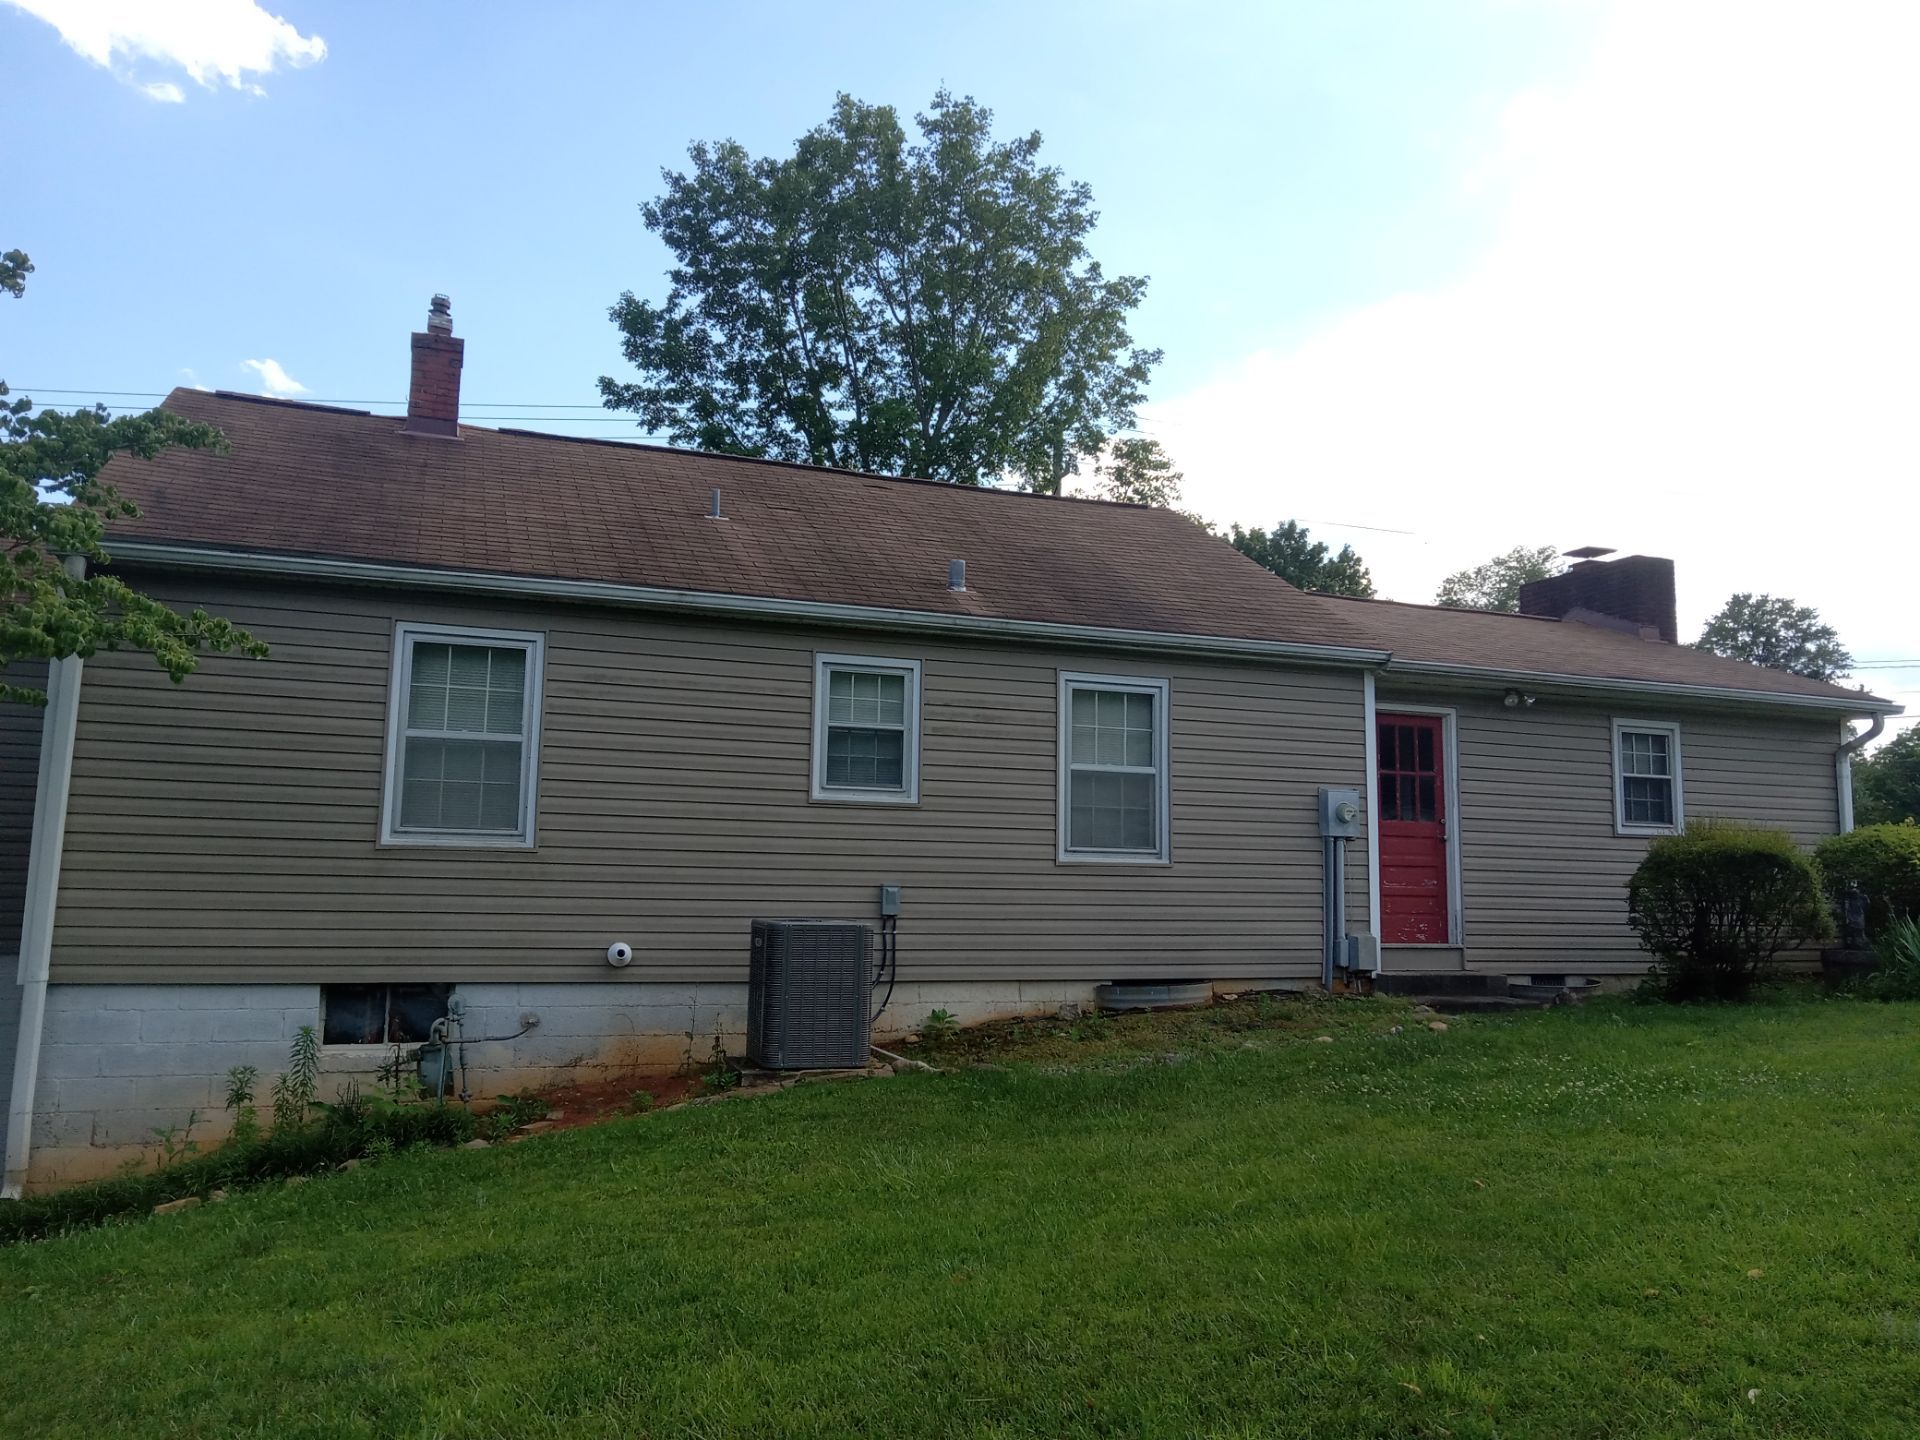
573 1106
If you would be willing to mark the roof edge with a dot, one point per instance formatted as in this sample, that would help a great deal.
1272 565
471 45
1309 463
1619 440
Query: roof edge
646 597
1442 670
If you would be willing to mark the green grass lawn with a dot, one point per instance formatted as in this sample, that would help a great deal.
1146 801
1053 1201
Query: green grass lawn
1619 1220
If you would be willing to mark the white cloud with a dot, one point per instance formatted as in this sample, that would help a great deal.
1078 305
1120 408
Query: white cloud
214 41
1694 336
273 379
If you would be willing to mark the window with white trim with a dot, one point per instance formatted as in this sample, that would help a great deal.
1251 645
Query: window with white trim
1647 797
1113 769
866 729
463 740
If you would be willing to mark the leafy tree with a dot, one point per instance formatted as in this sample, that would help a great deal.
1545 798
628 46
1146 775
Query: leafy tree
1886 784
1771 630
1138 471
1291 553
1496 584
922 308
54 504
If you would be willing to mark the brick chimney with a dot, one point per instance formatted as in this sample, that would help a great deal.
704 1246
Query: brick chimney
1634 592
433 399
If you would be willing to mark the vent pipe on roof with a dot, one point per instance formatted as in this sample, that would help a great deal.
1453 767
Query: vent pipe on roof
956 574
713 509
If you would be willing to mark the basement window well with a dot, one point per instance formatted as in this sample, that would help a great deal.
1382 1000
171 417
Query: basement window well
380 1014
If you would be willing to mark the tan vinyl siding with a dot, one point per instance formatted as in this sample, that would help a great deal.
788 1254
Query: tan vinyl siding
226 829
19 775
1543 875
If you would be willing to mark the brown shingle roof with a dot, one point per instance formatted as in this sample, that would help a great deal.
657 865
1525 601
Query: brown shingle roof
313 480
1528 644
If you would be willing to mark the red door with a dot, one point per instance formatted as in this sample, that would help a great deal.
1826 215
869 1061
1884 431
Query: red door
1413 830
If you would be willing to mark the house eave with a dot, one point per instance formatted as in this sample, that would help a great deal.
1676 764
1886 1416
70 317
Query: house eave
178 556
1605 687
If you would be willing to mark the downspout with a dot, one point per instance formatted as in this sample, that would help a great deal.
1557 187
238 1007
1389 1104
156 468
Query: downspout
1843 768
43 892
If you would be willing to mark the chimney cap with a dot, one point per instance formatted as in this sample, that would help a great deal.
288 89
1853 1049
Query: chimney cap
440 315
1588 552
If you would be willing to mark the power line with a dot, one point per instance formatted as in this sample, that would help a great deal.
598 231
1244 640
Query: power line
311 399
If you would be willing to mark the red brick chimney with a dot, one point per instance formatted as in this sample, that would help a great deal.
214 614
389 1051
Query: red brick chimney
1635 592
433 399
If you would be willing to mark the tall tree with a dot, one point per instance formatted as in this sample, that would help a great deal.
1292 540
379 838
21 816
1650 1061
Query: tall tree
1886 784
1291 552
918 307
53 504
1773 631
1496 584
1138 471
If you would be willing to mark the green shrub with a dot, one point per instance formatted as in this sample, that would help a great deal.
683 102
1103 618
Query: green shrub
1884 861
1897 976
1715 904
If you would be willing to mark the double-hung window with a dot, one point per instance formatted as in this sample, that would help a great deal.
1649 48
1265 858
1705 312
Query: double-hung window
463 740
866 729
1646 778
1113 769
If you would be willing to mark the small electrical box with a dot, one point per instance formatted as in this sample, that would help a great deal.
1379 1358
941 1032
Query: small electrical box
889 899
1339 812
1362 953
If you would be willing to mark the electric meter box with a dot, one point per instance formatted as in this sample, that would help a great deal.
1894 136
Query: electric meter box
1340 812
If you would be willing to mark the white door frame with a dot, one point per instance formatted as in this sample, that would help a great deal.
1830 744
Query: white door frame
1450 767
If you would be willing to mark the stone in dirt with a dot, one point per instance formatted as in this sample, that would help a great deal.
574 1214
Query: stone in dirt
218 1197
536 1127
913 1039
296 1179
1439 1027
902 1067
477 1145
556 1114
186 1202
1323 1039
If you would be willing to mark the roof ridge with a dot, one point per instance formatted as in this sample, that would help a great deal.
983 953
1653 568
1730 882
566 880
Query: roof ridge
803 465
269 400
1443 609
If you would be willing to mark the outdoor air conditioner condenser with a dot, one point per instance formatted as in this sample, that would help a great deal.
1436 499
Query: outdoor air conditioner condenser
809 985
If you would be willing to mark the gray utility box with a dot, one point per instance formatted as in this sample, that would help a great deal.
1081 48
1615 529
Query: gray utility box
1340 812
809 986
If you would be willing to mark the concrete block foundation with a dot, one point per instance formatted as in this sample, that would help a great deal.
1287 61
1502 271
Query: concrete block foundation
120 1063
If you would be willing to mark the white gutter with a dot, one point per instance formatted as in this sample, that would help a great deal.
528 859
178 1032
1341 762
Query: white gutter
43 894
1843 769
649 597
1438 670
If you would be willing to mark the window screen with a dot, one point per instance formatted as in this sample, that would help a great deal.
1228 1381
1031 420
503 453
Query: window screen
1646 764
1113 778
466 717
866 729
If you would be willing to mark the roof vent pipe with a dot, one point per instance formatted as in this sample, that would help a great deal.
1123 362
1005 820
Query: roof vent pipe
713 510
956 574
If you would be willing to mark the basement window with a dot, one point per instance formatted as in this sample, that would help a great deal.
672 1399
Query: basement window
1647 797
380 1014
866 729
463 737
1113 769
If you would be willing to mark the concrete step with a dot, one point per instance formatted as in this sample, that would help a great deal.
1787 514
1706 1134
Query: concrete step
1439 982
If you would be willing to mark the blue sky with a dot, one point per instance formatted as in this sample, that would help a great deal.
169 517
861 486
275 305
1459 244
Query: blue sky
1484 273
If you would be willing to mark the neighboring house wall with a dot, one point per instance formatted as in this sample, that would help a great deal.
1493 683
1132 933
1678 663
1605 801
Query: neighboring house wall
19 774
1543 873
225 829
